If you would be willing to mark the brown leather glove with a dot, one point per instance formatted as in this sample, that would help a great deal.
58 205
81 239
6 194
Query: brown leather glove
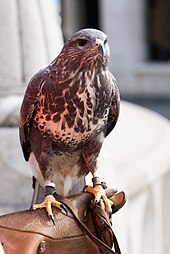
82 230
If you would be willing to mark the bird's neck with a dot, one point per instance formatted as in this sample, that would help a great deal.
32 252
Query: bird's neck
66 69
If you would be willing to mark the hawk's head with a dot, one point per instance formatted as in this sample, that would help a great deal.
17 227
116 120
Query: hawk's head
85 46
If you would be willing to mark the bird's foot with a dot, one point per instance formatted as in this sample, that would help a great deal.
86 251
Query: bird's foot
98 190
48 202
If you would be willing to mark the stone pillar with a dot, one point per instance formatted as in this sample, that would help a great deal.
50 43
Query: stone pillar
124 21
30 37
73 16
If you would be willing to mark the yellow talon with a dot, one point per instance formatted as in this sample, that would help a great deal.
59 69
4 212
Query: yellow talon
99 193
48 202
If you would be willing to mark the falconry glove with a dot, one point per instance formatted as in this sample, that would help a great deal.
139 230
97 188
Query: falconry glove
82 230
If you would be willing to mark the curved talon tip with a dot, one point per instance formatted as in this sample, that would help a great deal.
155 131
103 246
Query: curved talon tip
110 215
95 202
64 208
52 218
84 188
114 209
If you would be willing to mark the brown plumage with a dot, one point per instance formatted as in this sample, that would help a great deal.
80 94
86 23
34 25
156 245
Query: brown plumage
68 109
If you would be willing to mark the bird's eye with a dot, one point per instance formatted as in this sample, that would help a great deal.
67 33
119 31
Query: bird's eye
82 42
105 41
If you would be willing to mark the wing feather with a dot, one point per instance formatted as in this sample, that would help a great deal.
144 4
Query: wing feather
28 109
115 106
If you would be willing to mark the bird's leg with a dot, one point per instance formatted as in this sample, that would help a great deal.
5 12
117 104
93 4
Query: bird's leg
98 190
90 153
49 201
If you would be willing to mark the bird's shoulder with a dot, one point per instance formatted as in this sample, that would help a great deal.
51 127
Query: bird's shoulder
32 94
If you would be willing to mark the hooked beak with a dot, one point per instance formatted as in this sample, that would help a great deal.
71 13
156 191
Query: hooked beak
100 46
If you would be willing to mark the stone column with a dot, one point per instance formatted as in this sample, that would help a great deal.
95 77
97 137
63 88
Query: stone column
73 16
30 37
124 21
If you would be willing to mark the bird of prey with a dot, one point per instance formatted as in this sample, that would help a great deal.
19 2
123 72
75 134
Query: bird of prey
68 109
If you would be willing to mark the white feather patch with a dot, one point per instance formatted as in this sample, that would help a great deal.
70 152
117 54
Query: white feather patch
36 170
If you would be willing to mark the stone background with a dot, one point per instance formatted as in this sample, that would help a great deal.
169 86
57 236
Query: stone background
30 37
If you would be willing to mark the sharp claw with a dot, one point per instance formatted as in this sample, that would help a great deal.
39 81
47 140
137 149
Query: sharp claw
84 189
96 202
110 215
100 198
114 209
52 218
31 208
99 203
64 208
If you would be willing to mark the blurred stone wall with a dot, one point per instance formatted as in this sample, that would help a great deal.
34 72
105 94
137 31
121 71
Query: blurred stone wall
30 37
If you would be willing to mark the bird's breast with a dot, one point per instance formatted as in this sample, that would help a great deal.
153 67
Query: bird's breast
67 170
75 115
